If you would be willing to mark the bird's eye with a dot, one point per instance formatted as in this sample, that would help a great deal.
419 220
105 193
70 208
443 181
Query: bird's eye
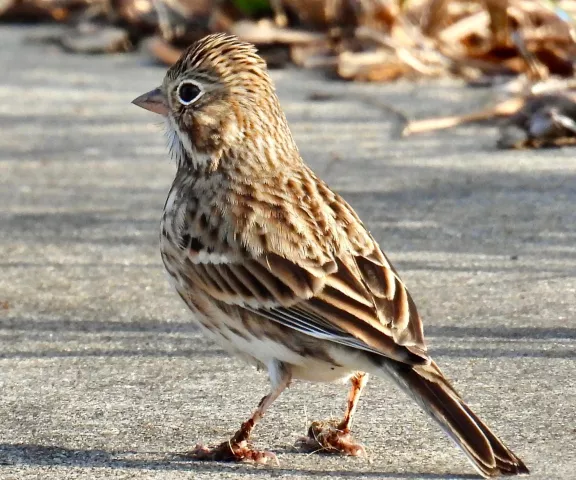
188 92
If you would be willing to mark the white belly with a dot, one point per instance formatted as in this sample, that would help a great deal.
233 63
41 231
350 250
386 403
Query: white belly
262 351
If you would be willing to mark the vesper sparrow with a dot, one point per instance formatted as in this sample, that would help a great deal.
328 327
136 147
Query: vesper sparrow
278 268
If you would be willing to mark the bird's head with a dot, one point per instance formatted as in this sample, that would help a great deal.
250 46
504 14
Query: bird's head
217 99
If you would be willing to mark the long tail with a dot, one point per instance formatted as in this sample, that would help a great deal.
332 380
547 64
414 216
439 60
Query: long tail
428 386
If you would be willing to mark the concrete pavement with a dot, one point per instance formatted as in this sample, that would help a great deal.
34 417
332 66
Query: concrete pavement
102 376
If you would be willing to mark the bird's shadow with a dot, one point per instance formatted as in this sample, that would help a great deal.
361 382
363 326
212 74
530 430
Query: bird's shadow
51 455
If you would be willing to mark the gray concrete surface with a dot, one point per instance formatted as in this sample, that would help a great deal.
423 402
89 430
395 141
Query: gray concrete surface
101 375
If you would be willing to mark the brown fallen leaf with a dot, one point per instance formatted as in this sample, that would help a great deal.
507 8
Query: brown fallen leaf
366 40
501 109
376 66
266 32
162 51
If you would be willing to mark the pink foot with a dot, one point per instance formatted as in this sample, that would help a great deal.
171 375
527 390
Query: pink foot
231 452
326 437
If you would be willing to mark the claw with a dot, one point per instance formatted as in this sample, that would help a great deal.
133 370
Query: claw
231 452
326 437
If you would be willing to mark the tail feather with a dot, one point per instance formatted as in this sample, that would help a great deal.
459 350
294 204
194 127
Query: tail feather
438 398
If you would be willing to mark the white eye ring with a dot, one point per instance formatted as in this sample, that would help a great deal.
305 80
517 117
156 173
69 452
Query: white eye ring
192 92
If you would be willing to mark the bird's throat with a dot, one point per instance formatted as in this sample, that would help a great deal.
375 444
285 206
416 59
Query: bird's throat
181 148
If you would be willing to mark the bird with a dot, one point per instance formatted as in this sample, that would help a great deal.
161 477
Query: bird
278 269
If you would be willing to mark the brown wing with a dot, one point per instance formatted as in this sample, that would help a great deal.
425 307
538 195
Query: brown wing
311 265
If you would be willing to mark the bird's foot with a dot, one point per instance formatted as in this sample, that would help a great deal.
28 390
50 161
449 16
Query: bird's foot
231 451
326 437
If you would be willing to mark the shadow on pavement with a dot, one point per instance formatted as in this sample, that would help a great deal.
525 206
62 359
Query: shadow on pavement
532 342
49 455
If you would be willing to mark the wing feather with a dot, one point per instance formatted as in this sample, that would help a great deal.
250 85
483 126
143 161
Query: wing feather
347 306
311 266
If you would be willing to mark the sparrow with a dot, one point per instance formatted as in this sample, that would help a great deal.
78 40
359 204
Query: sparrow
277 268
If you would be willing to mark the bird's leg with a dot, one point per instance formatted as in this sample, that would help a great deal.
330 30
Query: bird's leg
333 437
358 381
237 448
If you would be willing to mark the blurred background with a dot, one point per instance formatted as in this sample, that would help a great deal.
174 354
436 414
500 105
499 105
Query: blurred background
521 48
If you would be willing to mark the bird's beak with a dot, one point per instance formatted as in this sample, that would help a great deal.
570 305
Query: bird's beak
154 100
